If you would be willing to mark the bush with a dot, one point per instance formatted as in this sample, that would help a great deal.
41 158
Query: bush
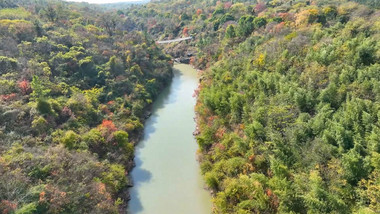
44 107
115 178
246 25
230 32
212 181
7 64
259 22
27 209
40 125
71 140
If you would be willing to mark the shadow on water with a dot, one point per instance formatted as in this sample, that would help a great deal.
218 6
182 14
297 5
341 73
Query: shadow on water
140 175
162 100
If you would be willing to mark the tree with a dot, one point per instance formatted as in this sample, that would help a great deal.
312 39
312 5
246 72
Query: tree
245 25
51 13
366 53
185 31
115 65
212 181
40 125
259 22
199 12
37 28
121 138
7 64
230 32
44 107
115 177
24 86
39 90
260 7
109 21
255 131
71 140
355 167
28 208
318 199
107 127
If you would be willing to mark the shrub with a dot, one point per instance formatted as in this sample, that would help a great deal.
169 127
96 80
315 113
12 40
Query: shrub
212 181
44 107
7 64
27 209
115 177
71 140
40 125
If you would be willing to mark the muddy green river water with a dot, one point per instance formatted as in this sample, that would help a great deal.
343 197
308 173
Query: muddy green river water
166 178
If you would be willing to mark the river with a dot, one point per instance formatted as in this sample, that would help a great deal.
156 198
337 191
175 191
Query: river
167 178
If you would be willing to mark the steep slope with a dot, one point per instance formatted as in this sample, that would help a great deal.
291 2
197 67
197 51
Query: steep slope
74 91
288 102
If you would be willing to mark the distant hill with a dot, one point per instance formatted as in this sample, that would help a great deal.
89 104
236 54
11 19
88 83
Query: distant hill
124 4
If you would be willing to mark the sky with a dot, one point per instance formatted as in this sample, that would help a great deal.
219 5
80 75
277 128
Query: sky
103 1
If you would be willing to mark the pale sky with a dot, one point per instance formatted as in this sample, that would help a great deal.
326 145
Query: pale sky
103 1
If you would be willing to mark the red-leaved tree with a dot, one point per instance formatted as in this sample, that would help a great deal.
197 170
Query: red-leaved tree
24 87
185 31
107 127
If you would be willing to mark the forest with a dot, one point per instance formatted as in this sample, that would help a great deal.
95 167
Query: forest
75 88
288 105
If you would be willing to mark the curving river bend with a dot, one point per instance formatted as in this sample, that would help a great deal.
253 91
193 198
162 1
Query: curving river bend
166 178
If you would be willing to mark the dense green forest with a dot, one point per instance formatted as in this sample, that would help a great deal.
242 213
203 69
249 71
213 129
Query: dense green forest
288 105
74 91
288 102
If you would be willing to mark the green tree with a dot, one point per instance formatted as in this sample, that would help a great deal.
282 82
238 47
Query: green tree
44 107
230 32
355 167
71 139
259 22
115 177
39 90
246 25
7 64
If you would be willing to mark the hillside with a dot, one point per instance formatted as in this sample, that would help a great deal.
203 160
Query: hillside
288 102
75 87
287 106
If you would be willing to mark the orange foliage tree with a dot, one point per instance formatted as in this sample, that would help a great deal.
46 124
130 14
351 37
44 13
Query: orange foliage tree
185 31
107 127
24 86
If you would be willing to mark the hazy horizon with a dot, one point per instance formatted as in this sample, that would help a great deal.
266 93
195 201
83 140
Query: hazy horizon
103 1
